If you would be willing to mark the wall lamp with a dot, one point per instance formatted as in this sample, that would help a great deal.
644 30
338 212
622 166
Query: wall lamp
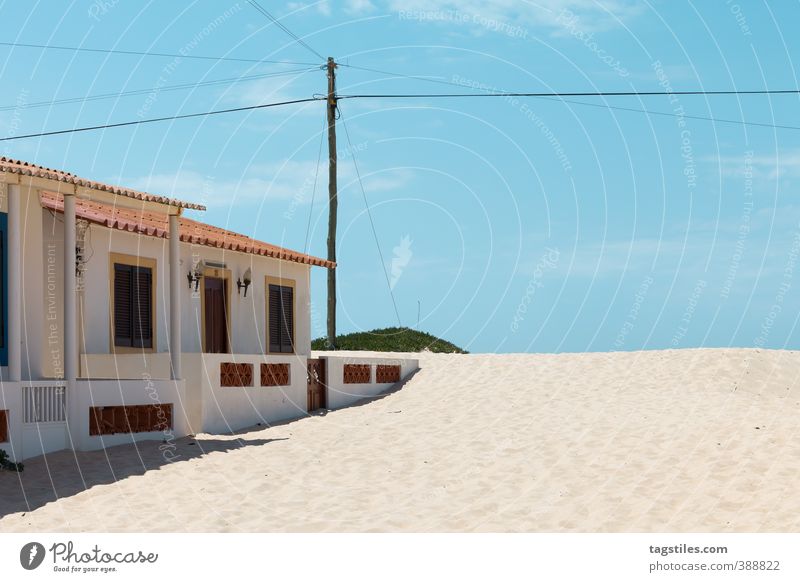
194 275
244 281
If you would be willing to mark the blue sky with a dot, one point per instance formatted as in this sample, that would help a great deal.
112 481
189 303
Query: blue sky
512 224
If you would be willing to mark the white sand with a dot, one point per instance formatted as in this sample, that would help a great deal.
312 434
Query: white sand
647 441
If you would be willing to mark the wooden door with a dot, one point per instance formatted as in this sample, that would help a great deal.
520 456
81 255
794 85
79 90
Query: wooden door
317 389
216 317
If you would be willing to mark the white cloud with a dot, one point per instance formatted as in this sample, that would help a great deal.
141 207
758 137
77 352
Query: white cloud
326 7
321 6
269 182
289 180
785 164
482 15
271 89
358 6
593 14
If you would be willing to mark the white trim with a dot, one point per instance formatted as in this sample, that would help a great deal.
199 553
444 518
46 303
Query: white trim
70 309
175 341
14 284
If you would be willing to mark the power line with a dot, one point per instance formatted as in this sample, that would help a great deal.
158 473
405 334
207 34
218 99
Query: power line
133 92
600 105
278 23
431 79
151 54
575 94
157 119
371 221
667 114
539 95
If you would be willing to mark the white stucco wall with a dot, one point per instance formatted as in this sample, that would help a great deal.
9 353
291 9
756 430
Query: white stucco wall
43 299
34 439
227 409
341 394
144 390
35 352
247 314
35 355
49 295
199 403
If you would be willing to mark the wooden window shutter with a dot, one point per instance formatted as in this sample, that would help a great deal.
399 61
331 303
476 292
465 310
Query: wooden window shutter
287 321
123 322
142 291
281 319
133 306
274 318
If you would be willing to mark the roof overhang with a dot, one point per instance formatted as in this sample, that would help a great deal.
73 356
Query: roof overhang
20 172
156 224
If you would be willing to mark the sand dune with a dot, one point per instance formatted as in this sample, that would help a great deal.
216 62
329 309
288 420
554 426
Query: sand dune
688 440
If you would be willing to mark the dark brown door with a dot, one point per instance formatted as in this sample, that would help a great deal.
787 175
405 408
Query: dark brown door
316 384
216 318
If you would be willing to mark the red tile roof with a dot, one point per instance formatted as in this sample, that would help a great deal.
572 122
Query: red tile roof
193 232
27 169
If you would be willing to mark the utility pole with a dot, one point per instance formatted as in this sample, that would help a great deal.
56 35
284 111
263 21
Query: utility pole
333 202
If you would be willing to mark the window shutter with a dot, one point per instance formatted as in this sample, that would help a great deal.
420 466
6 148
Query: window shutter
287 321
133 306
122 306
274 318
142 307
281 319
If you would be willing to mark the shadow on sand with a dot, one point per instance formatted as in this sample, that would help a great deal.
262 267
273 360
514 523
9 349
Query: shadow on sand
370 399
66 473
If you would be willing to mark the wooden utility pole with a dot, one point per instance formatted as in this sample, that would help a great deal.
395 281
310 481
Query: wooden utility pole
333 202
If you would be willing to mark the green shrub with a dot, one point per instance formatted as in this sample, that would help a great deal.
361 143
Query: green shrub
390 339
8 465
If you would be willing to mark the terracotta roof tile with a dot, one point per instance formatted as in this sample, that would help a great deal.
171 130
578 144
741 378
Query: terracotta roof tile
193 232
27 169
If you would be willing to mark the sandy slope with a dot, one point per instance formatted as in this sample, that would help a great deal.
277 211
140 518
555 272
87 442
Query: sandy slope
690 440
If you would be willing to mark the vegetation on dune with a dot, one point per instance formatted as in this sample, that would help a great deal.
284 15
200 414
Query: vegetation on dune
8 465
390 339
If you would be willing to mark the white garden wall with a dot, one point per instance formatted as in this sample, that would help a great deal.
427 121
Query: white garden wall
228 409
91 393
341 394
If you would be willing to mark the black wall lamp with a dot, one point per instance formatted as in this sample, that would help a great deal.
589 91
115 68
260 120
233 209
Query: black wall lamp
244 281
194 276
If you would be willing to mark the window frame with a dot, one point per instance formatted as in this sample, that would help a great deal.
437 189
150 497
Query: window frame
281 282
133 261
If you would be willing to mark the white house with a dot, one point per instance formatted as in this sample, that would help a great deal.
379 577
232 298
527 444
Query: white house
97 292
